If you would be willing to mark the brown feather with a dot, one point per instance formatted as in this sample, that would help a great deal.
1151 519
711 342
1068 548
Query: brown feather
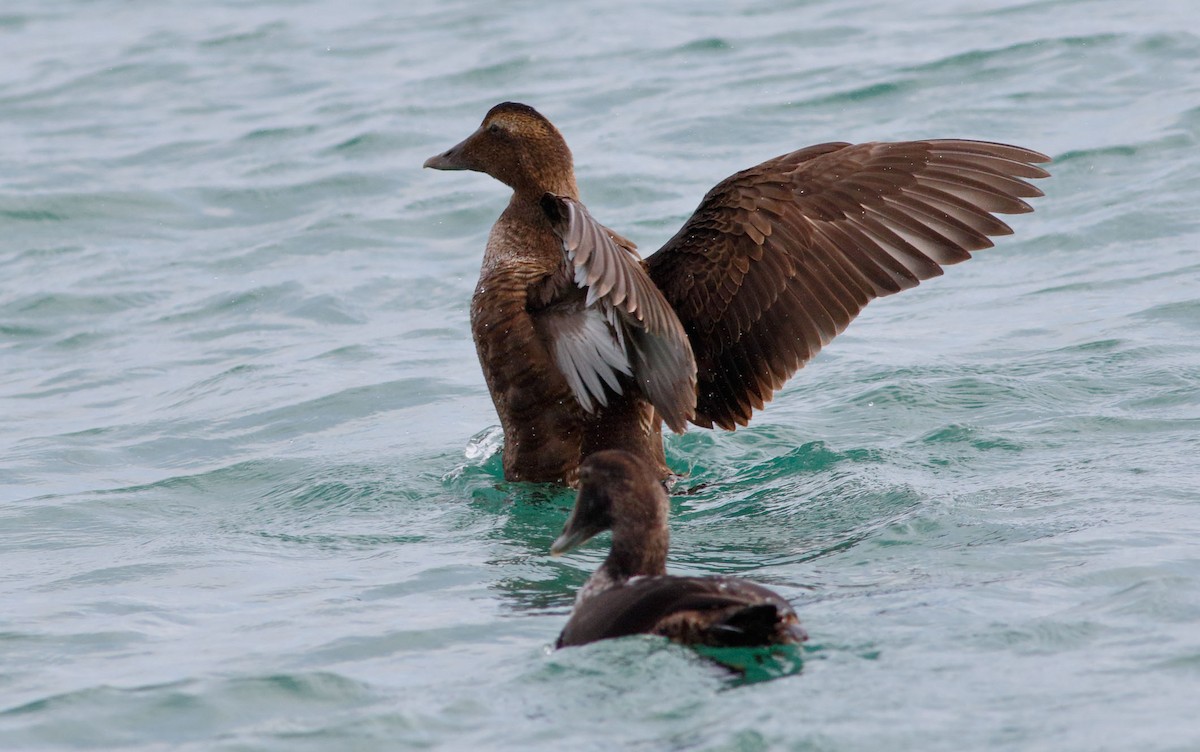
862 221
631 593
774 263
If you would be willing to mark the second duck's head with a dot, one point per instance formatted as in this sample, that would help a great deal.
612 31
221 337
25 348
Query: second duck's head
519 147
617 492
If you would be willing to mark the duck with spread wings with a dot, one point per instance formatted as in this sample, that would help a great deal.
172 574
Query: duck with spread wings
585 346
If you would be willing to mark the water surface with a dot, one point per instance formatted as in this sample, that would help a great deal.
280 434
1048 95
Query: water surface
249 495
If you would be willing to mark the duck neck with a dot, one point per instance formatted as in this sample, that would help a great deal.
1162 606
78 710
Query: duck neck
529 191
546 168
638 550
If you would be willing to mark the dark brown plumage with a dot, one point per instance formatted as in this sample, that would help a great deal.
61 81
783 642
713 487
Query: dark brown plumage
631 592
586 347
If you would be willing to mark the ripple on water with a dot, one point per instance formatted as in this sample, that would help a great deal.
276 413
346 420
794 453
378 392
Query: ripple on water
185 711
241 508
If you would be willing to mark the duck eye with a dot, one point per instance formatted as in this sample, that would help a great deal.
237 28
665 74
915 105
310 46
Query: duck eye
494 127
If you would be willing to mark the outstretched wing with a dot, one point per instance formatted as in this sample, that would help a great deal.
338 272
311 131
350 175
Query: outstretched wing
779 258
624 326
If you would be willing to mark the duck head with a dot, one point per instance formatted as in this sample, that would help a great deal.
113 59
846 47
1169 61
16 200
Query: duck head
519 147
619 492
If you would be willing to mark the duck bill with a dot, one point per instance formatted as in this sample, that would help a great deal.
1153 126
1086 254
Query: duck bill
444 162
576 532
568 540
454 158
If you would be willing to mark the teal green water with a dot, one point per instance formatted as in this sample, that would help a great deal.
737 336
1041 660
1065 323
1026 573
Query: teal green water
249 495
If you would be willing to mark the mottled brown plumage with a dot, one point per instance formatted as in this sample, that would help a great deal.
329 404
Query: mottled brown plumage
631 592
586 347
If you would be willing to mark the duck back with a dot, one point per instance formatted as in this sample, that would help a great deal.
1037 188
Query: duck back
714 611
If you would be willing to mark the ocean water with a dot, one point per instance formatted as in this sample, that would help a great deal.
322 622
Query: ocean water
249 491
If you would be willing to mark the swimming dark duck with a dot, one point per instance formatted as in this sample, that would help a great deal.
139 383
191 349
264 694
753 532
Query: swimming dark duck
631 592
585 346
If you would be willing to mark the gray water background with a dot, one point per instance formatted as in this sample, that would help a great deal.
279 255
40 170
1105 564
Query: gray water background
249 495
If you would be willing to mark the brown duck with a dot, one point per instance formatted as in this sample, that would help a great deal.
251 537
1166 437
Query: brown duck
631 592
586 346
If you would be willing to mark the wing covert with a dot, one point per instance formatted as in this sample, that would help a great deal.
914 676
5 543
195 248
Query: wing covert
642 323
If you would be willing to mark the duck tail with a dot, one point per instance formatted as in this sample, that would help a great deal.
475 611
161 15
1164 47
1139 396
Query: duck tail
747 626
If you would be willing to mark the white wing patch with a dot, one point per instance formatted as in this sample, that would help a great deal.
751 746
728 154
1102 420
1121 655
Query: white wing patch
590 352
625 326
